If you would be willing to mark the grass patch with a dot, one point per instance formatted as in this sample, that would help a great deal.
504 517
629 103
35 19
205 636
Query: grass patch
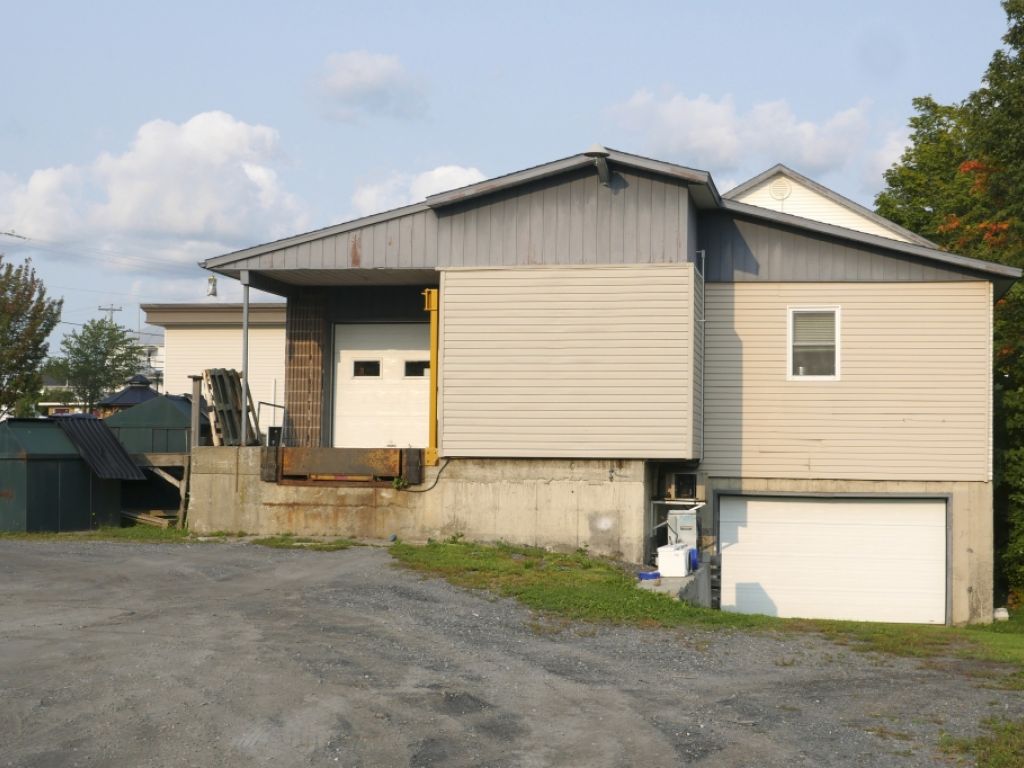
1001 746
585 588
289 541
143 533
576 586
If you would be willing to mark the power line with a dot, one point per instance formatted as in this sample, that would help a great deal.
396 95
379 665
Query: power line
110 312
72 249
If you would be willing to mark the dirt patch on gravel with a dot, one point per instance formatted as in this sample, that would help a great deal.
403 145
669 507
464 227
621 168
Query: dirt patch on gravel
230 654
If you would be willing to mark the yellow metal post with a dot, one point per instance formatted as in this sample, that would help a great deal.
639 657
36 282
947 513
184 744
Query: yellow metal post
430 305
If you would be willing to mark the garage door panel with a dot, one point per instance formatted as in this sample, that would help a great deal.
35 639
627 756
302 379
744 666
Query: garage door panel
859 559
390 408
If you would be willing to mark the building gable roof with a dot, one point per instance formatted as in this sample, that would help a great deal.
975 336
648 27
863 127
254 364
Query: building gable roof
753 192
293 256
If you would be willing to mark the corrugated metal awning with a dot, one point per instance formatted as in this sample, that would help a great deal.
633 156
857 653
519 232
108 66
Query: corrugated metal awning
97 445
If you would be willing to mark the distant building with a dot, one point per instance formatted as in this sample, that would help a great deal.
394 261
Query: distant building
201 336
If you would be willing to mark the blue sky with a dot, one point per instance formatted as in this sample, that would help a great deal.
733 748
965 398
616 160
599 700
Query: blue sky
139 138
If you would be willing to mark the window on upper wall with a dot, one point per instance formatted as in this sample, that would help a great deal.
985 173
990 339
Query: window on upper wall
813 343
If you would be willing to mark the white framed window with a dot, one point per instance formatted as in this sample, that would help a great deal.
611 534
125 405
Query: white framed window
813 344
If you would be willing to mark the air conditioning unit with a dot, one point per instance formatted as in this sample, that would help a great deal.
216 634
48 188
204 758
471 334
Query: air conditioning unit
682 527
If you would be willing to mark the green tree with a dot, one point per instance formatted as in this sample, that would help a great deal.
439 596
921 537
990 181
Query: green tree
97 360
27 317
960 183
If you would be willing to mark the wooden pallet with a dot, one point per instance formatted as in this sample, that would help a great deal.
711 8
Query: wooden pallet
158 518
230 396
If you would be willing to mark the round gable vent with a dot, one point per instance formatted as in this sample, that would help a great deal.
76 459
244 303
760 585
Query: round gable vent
780 188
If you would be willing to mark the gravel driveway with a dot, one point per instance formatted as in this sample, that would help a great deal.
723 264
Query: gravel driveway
117 654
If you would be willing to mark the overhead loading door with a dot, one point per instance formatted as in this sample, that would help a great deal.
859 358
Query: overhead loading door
381 385
834 558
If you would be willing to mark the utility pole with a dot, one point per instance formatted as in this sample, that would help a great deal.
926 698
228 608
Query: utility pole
110 312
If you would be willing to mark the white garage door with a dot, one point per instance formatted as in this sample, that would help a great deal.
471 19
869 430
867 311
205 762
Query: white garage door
860 559
381 385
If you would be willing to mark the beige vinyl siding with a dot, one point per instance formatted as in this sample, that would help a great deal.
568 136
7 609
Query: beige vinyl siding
191 350
583 362
912 401
813 205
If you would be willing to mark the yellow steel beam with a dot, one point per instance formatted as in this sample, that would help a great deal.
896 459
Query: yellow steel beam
430 304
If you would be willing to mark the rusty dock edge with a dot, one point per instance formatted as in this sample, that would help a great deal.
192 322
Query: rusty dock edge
320 465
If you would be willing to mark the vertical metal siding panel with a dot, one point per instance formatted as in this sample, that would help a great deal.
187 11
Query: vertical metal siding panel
496 231
470 217
617 220
535 248
482 246
432 253
564 224
404 242
604 225
645 202
458 239
341 250
590 222
316 254
630 216
417 240
576 222
522 229
658 222
391 244
672 222
549 247
375 255
510 226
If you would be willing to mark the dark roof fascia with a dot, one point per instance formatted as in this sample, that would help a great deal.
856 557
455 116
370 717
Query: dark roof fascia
989 269
832 195
306 237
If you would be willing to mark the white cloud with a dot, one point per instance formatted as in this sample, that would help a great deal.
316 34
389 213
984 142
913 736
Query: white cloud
402 188
879 161
359 83
716 135
179 193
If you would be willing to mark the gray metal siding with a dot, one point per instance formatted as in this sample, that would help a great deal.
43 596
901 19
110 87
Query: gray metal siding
638 219
572 219
740 250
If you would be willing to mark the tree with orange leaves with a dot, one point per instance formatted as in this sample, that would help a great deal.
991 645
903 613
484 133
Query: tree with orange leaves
960 183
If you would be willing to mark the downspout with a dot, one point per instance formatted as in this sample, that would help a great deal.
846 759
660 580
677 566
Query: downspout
243 277
430 305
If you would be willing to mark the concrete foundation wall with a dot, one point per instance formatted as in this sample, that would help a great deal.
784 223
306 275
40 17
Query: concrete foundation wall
970 534
560 504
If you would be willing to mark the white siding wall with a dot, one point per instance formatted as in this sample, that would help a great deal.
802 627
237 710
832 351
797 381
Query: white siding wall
583 362
913 401
813 205
192 350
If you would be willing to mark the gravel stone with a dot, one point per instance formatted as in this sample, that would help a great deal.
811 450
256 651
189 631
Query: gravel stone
115 654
